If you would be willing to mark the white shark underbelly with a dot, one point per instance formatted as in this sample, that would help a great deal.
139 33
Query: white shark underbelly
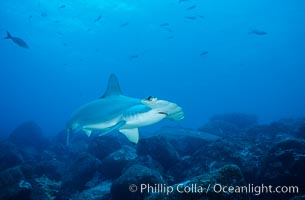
142 119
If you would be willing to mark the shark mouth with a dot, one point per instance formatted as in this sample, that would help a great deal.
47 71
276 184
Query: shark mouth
163 113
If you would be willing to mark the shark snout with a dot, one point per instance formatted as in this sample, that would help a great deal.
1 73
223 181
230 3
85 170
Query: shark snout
171 110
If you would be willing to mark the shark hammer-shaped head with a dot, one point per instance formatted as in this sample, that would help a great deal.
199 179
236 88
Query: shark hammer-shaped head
114 111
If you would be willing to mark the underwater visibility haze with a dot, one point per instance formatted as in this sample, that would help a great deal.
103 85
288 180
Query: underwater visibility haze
228 74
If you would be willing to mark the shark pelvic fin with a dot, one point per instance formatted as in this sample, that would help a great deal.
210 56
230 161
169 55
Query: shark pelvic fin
87 131
131 134
112 128
113 87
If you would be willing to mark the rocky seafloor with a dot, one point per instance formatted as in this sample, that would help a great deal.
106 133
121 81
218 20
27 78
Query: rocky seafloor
230 157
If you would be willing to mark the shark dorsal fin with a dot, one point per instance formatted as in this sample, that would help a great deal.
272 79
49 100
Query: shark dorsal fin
113 87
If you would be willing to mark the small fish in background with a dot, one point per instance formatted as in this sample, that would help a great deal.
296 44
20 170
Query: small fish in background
258 32
43 14
134 56
181 1
191 17
98 18
20 42
170 37
191 7
203 53
165 24
62 6
30 18
124 24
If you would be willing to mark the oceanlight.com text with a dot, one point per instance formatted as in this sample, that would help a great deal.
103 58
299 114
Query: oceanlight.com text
215 188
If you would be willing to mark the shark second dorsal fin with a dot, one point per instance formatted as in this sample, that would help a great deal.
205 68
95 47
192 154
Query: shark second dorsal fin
113 87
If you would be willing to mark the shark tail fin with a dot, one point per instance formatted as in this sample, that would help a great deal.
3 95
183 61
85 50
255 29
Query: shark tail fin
113 87
8 36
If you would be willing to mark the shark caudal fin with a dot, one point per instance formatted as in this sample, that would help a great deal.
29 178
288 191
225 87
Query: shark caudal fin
8 36
113 87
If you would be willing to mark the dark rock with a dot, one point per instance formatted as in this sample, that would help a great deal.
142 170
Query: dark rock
46 188
80 170
214 155
288 126
13 185
196 188
149 162
229 124
298 198
240 120
102 146
285 164
28 134
99 192
53 169
9 156
159 149
186 141
137 175
114 163
220 128
301 131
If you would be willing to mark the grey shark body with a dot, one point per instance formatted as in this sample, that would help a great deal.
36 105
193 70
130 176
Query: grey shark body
114 111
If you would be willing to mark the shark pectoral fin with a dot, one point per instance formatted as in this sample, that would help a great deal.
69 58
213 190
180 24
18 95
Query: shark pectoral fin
87 131
131 134
112 128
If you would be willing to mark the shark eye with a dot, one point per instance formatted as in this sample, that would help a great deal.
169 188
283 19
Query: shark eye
150 98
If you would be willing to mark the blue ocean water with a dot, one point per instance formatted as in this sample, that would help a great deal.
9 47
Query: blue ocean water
200 54
236 68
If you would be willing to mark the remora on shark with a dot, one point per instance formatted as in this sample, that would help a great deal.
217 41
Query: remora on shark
114 111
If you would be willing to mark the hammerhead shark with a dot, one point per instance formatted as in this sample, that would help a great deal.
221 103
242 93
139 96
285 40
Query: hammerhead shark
114 111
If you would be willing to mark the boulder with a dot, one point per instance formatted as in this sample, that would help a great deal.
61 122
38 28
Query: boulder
137 175
13 185
9 156
285 163
114 163
99 192
202 187
28 134
101 147
80 170
159 148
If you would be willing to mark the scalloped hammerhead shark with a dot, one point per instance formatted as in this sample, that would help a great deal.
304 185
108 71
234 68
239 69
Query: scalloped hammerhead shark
114 111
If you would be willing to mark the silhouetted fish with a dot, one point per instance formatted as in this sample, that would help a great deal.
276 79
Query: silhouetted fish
170 37
98 18
258 32
135 56
191 17
164 24
43 14
62 6
204 53
191 7
17 40
183 1
124 24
